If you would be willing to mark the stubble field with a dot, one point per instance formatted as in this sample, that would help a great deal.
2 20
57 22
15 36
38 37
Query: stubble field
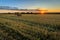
30 27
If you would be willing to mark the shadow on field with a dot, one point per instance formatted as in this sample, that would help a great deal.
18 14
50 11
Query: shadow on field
10 34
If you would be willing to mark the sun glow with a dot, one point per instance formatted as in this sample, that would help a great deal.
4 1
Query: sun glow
43 10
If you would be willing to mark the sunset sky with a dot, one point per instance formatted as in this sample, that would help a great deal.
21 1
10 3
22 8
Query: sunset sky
50 5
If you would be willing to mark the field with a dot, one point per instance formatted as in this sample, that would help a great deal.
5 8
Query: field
30 27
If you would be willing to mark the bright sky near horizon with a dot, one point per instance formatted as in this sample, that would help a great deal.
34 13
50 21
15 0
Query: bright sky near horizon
50 5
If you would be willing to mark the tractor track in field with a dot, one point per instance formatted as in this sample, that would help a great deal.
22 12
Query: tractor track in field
17 35
7 33
31 23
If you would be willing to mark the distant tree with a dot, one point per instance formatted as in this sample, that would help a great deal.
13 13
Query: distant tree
9 13
17 13
22 12
27 13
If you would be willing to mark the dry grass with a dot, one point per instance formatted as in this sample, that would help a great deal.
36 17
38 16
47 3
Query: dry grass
33 27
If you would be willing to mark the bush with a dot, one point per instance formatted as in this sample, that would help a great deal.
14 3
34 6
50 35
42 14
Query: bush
17 13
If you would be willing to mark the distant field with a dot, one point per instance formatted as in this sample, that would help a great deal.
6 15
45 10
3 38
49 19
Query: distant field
30 27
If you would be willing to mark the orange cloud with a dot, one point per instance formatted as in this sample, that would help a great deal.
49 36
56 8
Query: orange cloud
53 10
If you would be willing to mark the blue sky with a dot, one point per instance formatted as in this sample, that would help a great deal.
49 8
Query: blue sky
48 4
